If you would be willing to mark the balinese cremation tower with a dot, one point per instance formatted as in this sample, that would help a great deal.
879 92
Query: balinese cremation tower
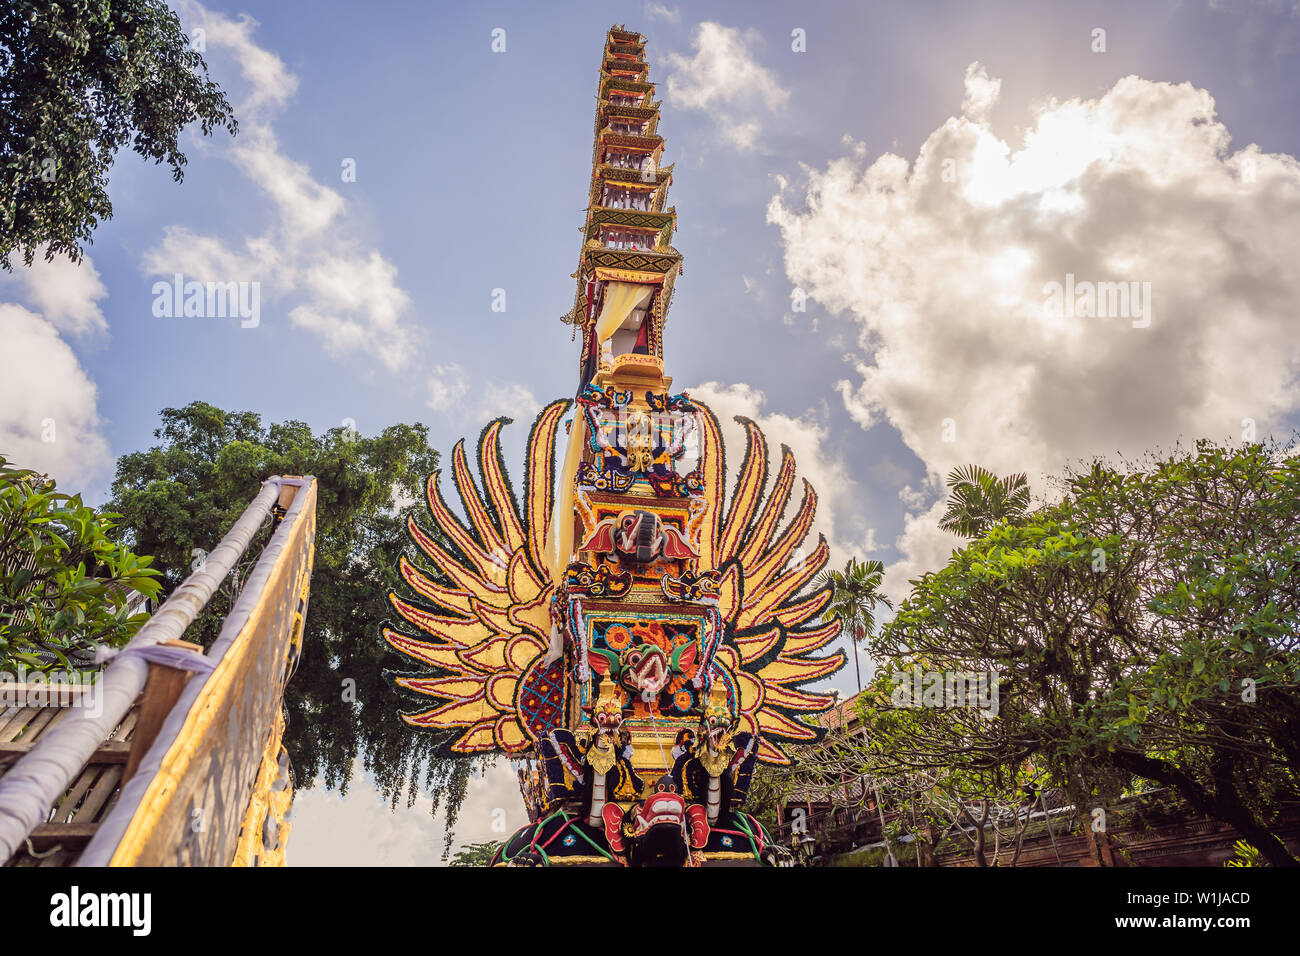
634 639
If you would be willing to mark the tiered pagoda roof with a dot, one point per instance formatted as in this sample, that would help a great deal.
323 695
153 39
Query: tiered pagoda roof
629 224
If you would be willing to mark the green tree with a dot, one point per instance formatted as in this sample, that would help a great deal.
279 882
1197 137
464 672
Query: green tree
883 764
1213 610
476 854
1244 855
944 792
1143 628
80 79
855 592
180 496
980 499
63 580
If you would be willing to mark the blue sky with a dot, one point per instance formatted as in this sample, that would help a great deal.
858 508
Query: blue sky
822 170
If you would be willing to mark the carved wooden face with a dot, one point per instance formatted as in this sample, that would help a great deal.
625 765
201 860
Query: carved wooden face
645 669
716 727
640 535
664 805
607 719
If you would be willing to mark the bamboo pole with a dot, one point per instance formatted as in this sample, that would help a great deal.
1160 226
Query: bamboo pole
30 787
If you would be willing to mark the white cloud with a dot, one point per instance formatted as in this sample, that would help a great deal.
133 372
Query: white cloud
507 398
356 306
347 294
982 92
185 251
725 79
271 82
49 418
806 435
941 265
742 134
48 406
360 829
451 395
658 11
306 208
67 294
448 387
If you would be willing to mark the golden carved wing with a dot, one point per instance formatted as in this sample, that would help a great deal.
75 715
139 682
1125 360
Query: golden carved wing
480 625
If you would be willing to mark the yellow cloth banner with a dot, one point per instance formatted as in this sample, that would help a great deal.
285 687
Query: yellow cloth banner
560 539
621 298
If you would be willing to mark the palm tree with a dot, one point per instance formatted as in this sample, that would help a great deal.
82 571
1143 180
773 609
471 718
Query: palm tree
980 499
855 592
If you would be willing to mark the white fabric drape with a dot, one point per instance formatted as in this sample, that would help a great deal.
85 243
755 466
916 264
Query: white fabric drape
621 298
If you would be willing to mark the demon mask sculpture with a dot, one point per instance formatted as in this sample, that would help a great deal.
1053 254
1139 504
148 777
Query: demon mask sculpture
638 536
661 831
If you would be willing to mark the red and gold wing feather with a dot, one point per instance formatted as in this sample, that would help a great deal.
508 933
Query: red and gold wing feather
773 625
481 620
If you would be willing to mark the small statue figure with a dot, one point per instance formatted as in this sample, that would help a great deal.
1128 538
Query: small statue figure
717 770
597 758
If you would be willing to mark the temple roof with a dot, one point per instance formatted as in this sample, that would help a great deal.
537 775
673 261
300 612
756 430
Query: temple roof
623 51
634 218
632 177
632 140
624 83
612 110
621 34
652 260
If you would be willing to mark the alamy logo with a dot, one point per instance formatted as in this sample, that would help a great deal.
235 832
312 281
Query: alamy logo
977 690
1105 300
208 300
74 908
65 689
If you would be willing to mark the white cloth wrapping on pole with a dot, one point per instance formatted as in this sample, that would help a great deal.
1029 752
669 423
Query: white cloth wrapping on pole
31 786
102 846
